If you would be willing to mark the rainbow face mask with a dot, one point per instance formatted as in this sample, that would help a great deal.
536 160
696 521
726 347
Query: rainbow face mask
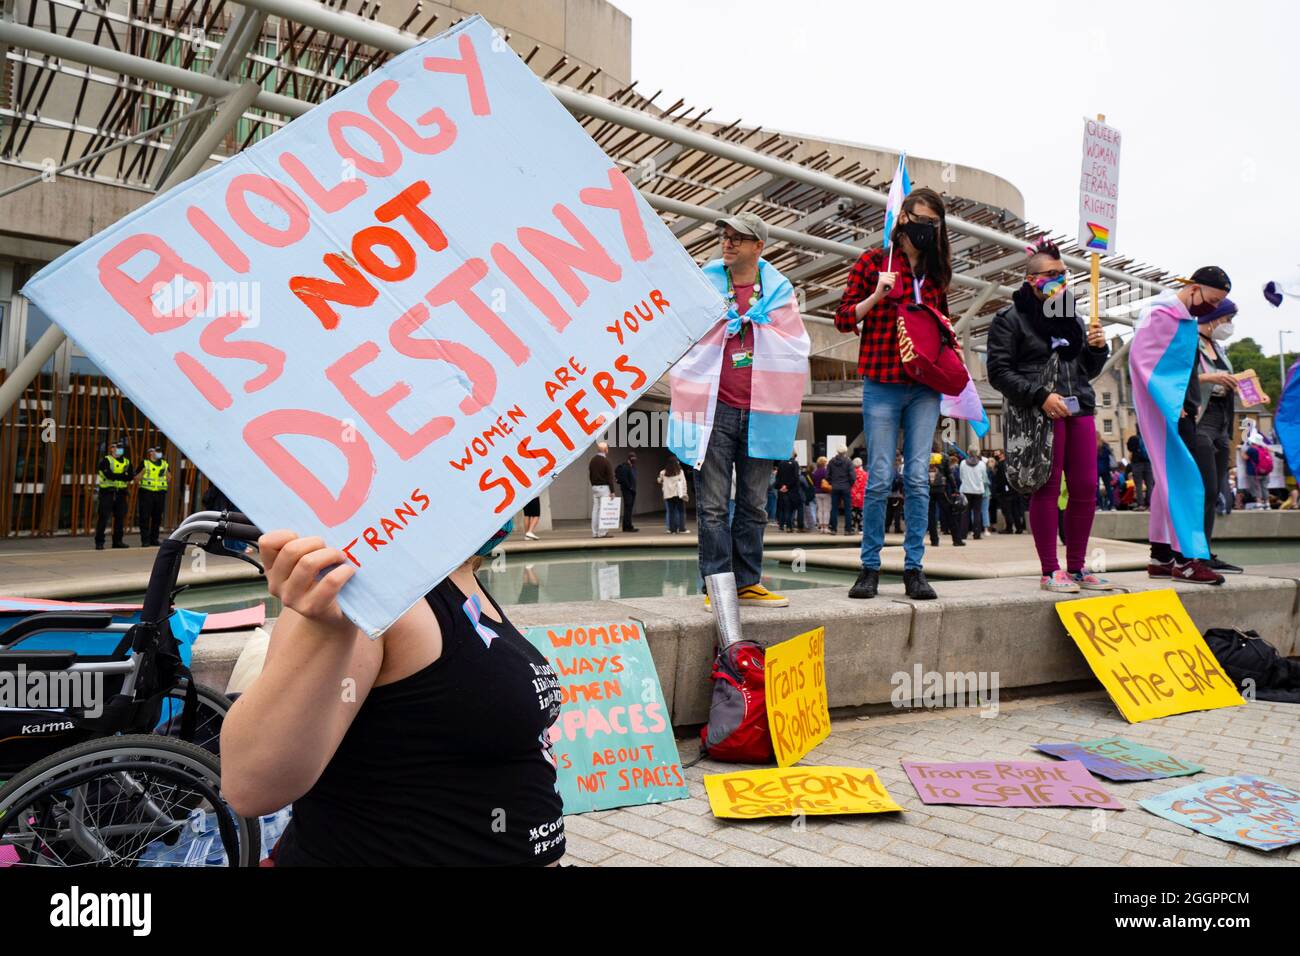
1049 286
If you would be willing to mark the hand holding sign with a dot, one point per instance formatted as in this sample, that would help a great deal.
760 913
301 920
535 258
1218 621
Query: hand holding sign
395 320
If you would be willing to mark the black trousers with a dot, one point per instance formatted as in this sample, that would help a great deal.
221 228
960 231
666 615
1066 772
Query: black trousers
1212 451
629 501
149 513
1012 507
975 511
112 501
894 515
789 510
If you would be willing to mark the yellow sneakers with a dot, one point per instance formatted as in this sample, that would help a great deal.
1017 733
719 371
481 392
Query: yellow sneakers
757 596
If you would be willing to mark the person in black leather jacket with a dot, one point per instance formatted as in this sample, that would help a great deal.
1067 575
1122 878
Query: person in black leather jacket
1041 321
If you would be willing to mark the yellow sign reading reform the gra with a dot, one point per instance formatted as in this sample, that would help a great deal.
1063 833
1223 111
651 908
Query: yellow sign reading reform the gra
798 713
1148 654
791 791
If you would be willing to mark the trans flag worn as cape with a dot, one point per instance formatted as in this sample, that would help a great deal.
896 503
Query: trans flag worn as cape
1160 361
780 372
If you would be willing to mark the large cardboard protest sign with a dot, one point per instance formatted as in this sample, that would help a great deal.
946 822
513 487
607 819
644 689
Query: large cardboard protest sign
613 743
1099 187
1148 654
1118 759
1249 810
394 321
798 714
795 791
1009 784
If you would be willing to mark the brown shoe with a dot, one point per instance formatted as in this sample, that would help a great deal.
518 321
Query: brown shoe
1157 570
1196 571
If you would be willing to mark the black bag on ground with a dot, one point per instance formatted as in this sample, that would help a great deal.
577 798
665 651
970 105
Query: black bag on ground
1254 665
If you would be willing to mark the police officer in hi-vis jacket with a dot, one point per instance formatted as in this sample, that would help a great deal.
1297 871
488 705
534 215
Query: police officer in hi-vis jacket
114 478
152 496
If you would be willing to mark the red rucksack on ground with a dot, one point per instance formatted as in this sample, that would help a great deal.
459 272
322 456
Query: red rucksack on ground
737 728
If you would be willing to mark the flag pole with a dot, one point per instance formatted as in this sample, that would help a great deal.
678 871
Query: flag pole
1095 323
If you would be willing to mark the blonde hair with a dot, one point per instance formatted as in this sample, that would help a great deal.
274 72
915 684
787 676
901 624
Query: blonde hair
822 460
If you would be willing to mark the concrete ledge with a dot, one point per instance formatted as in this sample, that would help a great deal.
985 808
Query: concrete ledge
1007 625
1132 525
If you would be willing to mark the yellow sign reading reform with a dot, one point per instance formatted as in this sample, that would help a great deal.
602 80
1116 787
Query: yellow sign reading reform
1148 654
792 791
798 714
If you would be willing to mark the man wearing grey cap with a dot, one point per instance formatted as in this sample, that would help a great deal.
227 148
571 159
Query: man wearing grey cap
735 404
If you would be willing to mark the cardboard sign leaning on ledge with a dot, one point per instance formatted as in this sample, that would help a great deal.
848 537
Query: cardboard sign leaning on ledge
1148 654
798 714
1249 810
613 743
795 791
395 320
1118 759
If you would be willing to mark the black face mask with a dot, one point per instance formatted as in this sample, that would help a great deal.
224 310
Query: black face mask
922 234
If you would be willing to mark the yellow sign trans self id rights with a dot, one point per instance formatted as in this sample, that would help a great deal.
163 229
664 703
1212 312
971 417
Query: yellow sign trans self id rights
798 711
1148 654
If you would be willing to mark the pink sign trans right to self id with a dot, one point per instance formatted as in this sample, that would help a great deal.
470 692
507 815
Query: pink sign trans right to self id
1020 783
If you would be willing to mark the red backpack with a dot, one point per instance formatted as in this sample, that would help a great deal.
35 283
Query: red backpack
737 728
1264 463
927 349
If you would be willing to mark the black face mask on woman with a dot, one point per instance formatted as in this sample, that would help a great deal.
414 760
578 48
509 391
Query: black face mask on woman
922 234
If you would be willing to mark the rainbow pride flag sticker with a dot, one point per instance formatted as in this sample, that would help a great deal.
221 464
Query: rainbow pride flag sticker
1100 238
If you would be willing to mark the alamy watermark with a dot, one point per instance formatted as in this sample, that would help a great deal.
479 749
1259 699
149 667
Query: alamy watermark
935 689
81 691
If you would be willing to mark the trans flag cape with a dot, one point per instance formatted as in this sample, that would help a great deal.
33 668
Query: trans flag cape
1160 363
1287 421
781 349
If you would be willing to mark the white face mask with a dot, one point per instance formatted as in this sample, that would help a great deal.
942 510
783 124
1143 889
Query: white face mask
1223 332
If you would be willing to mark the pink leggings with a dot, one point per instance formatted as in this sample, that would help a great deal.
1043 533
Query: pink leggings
1074 449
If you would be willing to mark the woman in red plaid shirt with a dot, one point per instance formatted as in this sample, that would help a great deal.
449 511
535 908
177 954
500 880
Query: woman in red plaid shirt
915 268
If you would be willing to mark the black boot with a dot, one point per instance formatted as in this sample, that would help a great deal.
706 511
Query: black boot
866 584
916 586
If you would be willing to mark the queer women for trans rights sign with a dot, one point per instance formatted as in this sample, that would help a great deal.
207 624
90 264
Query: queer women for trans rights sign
394 321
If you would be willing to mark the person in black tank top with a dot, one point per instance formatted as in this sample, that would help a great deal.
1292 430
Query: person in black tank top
448 763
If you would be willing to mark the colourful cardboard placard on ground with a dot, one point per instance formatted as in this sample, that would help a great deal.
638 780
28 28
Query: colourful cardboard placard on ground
1246 809
1148 654
394 321
798 712
796 791
613 742
1118 759
1011 783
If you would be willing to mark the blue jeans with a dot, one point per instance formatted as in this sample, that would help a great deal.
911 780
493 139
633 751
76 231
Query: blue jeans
738 548
885 409
676 514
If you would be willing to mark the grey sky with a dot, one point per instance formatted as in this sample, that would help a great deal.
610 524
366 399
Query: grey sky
1206 95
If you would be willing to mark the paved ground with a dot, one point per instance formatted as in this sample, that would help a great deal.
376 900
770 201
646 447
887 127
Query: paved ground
1260 737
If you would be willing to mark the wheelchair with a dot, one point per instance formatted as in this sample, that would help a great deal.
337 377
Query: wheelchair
133 777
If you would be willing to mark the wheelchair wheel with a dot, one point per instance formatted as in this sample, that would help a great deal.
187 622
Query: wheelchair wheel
132 800
212 709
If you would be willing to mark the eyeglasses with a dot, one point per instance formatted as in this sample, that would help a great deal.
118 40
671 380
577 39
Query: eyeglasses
735 239
923 220
1051 273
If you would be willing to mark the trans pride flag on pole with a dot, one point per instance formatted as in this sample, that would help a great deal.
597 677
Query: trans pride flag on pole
1160 362
898 190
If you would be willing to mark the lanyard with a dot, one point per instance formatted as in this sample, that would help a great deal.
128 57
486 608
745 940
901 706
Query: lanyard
916 289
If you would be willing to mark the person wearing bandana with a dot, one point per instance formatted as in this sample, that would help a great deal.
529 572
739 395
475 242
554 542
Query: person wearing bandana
1023 336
